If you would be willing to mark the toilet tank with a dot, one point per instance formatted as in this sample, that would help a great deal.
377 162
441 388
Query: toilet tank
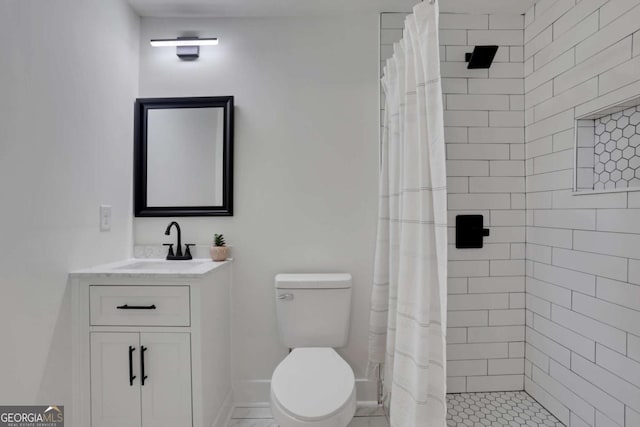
313 310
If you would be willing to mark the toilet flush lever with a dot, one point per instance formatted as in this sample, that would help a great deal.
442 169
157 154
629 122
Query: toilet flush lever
285 297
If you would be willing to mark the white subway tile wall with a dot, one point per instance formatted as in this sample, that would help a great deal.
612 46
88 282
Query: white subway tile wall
484 131
582 276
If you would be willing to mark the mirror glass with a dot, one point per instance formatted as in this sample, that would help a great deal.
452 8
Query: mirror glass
183 157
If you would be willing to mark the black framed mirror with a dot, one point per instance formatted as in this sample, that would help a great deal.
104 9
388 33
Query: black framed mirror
183 156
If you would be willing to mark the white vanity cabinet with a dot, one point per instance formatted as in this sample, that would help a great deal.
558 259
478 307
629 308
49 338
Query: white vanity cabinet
150 388
114 401
151 349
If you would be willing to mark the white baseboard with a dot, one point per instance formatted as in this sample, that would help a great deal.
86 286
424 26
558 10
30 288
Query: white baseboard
257 392
246 393
226 410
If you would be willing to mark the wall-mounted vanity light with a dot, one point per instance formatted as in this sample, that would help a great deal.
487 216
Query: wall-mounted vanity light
187 48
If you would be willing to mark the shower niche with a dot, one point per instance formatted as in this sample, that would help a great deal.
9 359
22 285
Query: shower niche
608 149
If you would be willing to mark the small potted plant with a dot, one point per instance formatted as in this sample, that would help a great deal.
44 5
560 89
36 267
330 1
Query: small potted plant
219 249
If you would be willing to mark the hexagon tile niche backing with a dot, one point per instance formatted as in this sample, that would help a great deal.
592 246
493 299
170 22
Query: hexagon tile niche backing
617 150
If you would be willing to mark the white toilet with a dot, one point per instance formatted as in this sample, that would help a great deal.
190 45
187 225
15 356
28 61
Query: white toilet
313 386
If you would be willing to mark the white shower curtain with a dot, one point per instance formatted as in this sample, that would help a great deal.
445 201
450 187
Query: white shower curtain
408 302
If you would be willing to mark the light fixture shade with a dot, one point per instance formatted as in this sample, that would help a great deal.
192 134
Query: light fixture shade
184 42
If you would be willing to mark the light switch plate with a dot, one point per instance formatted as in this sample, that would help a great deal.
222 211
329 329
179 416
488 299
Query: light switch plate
105 218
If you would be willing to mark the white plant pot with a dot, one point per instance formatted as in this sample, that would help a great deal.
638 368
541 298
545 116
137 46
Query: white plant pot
219 253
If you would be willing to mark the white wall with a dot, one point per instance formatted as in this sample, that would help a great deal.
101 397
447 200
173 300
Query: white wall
306 96
484 131
583 298
68 82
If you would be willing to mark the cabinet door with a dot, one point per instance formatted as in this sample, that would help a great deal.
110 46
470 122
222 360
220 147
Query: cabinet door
115 399
166 393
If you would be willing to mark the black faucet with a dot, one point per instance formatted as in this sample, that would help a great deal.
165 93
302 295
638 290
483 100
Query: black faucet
178 256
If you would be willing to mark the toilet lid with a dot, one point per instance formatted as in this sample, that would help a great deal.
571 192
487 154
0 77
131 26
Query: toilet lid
313 383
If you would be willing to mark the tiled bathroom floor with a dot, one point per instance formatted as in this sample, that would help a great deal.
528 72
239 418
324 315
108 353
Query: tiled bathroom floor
366 416
497 409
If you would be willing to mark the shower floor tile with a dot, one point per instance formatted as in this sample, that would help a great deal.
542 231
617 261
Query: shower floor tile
496 409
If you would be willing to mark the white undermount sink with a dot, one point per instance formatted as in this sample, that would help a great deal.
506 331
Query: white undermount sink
160 265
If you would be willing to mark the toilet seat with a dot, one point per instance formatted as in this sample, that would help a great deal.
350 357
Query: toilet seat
312 386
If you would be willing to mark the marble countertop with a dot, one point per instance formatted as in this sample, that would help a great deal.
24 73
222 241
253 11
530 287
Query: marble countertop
150 268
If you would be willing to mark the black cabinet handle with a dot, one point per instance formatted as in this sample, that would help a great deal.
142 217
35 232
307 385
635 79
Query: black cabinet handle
142 375
131 376
136 307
